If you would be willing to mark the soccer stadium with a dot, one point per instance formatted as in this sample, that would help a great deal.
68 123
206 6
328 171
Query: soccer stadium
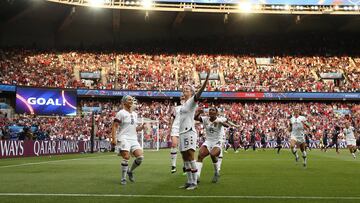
179 101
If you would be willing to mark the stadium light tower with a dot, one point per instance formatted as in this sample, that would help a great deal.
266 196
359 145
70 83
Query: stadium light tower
96 3
147 3
245 6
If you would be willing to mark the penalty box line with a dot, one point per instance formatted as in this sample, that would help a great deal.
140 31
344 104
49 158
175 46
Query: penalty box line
179 196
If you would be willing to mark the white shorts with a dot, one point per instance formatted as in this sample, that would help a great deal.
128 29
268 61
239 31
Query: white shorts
127 145
351 142
174 132
298 139
212 144
188 140
174 135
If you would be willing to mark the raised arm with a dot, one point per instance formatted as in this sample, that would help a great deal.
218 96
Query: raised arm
197 115
198 93
230 123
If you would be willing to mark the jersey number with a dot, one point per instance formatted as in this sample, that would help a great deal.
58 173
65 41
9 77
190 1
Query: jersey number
186 141
211 130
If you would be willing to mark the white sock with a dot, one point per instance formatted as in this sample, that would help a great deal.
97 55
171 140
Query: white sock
173 155
124 168
353 155
219 163
304 156
193 172
199 167
294 151
188 172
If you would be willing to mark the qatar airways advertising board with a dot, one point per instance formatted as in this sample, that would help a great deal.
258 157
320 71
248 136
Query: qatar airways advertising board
40 101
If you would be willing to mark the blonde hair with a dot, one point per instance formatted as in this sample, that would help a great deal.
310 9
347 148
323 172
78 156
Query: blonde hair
125 97
191 87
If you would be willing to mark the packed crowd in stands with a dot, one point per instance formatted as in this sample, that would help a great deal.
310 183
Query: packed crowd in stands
138 71
272 118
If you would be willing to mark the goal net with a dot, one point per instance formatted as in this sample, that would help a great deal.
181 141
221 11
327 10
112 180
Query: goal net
149 137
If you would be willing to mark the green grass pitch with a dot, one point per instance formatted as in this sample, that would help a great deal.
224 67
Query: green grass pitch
261 176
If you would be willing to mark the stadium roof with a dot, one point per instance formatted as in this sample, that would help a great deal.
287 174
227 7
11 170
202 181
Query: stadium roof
45 23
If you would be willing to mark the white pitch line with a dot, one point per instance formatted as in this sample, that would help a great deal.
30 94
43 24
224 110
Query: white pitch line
47 162
181 196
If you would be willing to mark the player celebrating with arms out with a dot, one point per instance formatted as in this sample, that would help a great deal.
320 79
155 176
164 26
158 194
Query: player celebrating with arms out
297 126
187 132
213 125
350 138
124 136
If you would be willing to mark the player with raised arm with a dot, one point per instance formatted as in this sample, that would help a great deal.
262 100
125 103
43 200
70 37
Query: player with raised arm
213 125
297 127
349 132
124 136
187 132
174 134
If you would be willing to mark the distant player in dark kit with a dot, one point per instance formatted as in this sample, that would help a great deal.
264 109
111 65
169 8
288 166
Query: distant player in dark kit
278 143
334 139
263 140
308 136
325 140
252 140
231 140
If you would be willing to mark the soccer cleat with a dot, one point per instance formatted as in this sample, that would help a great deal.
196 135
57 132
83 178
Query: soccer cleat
173 169
304 164
123 182
216 177
185 186
225 151
191 187
236 152
131 176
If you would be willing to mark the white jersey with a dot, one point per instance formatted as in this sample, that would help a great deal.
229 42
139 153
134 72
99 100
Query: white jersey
214 131
187 113
223 135
176 122
297 126
349 134
127 126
